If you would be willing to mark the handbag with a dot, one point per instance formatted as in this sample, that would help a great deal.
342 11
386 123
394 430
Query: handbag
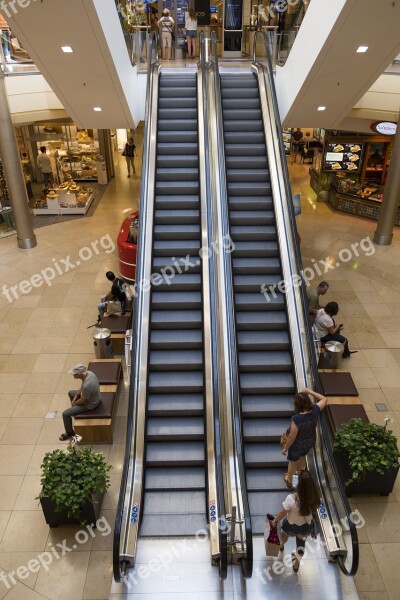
124 153
284 437
271 539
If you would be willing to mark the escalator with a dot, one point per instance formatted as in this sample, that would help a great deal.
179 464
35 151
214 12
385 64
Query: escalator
266 374
174 463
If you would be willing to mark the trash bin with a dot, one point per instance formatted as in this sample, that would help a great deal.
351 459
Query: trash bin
102 343
333 355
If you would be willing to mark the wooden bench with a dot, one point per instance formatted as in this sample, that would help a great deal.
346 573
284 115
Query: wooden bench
95 426
118 327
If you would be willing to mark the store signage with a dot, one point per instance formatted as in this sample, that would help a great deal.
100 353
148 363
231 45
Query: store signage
202 10
343 157
384 127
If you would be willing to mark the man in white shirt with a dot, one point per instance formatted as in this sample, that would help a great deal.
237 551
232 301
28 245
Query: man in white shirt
44 164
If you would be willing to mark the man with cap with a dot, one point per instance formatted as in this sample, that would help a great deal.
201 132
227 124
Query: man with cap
87 398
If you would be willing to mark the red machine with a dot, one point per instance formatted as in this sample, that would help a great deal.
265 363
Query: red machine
127 247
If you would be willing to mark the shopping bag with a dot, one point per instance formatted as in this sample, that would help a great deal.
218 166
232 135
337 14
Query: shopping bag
271 539
113 308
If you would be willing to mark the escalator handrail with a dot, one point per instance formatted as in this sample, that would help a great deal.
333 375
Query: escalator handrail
247 563
137 320
310 342
222 525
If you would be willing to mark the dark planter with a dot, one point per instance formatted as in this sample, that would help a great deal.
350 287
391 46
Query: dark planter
373 483
89 513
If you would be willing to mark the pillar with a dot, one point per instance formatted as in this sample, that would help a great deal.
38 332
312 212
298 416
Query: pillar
13 173
391 197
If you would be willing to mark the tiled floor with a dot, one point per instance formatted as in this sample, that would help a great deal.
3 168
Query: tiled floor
43 333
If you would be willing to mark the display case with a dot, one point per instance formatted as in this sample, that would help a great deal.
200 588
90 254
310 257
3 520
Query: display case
66 199
287 139
79 164
347 194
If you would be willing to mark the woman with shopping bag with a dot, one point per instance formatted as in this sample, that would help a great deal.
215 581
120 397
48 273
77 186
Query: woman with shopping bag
297 514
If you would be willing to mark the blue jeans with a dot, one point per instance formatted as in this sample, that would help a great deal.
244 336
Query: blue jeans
70 412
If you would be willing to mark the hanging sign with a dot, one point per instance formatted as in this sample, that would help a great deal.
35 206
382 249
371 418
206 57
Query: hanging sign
384 127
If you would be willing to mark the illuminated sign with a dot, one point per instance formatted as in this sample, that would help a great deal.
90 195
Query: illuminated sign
384 127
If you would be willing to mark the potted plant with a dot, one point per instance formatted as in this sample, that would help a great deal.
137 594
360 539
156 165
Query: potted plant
367 457
73 484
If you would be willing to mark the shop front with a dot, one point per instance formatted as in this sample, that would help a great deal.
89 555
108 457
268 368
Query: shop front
350 172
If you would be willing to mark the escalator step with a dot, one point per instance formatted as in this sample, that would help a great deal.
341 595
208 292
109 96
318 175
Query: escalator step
173 478
176 319
171 217
253 249
265 361
247 162
255 283
268 264
261 320
257 302
171 161
163 339
181 202
177 114
273 405
263 340
174 428
244 126
245 149
266 480
231 104
179 247
249 188
182 91
177 102
177 232
176 264
264 454
177 174
265 430
178 148
177 187
189 282
252 232
176 300
244 137
172 525
173 125
181 137
161 382
265 383
180 404
181 453
250 216
175 360
247 175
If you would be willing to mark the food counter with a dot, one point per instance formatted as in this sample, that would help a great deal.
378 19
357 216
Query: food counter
347 194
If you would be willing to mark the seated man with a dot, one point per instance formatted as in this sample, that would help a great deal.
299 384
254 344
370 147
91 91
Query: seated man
87 398
313 295
118 292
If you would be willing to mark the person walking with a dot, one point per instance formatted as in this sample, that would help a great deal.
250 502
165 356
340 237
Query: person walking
297 514
130 153
297 137
166 25
44 164
191 33
327 330
302 434
86 398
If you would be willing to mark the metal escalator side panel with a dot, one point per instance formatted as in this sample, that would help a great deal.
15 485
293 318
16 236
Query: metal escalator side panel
215 511
139 382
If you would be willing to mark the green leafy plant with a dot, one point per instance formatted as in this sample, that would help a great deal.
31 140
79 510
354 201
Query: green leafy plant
70 478
369 447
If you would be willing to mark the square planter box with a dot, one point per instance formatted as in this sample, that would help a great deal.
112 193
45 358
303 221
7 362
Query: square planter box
89 513
373 483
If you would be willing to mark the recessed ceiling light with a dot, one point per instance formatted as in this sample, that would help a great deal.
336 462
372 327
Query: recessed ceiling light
97 109
66 49
362 48
321 107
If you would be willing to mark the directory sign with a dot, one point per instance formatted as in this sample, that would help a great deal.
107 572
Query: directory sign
233 15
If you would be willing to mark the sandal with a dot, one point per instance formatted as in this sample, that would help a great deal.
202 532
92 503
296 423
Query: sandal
295 562
288 483
65 436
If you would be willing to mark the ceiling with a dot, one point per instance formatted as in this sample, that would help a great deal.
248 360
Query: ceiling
334 75
97 74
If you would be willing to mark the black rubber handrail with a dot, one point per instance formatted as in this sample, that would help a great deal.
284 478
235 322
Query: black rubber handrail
132 408
304 307
247 563
222 527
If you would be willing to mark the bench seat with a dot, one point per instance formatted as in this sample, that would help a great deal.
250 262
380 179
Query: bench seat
107 371
118 327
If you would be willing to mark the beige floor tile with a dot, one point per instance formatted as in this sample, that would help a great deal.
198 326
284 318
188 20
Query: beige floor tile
4 518
361 325
50 302
59 330
22 591
18 315
7 344
387 558
15 536
9 383
362 377
29 490
361 286
59 402
368 579
99 576
9 486
77 537
67 382
71 571
382 522
57 345
388 324
396 354
104 532
116 457
10 561
66 315
369 397
392 339
370 340
44 315
28 345
32 405
82 344
373 596
387 376
377 310
379 358
22 431
110 499
14 460
8 402
38 455
3 360
19 363
119 432
50 363
4 421
42 382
